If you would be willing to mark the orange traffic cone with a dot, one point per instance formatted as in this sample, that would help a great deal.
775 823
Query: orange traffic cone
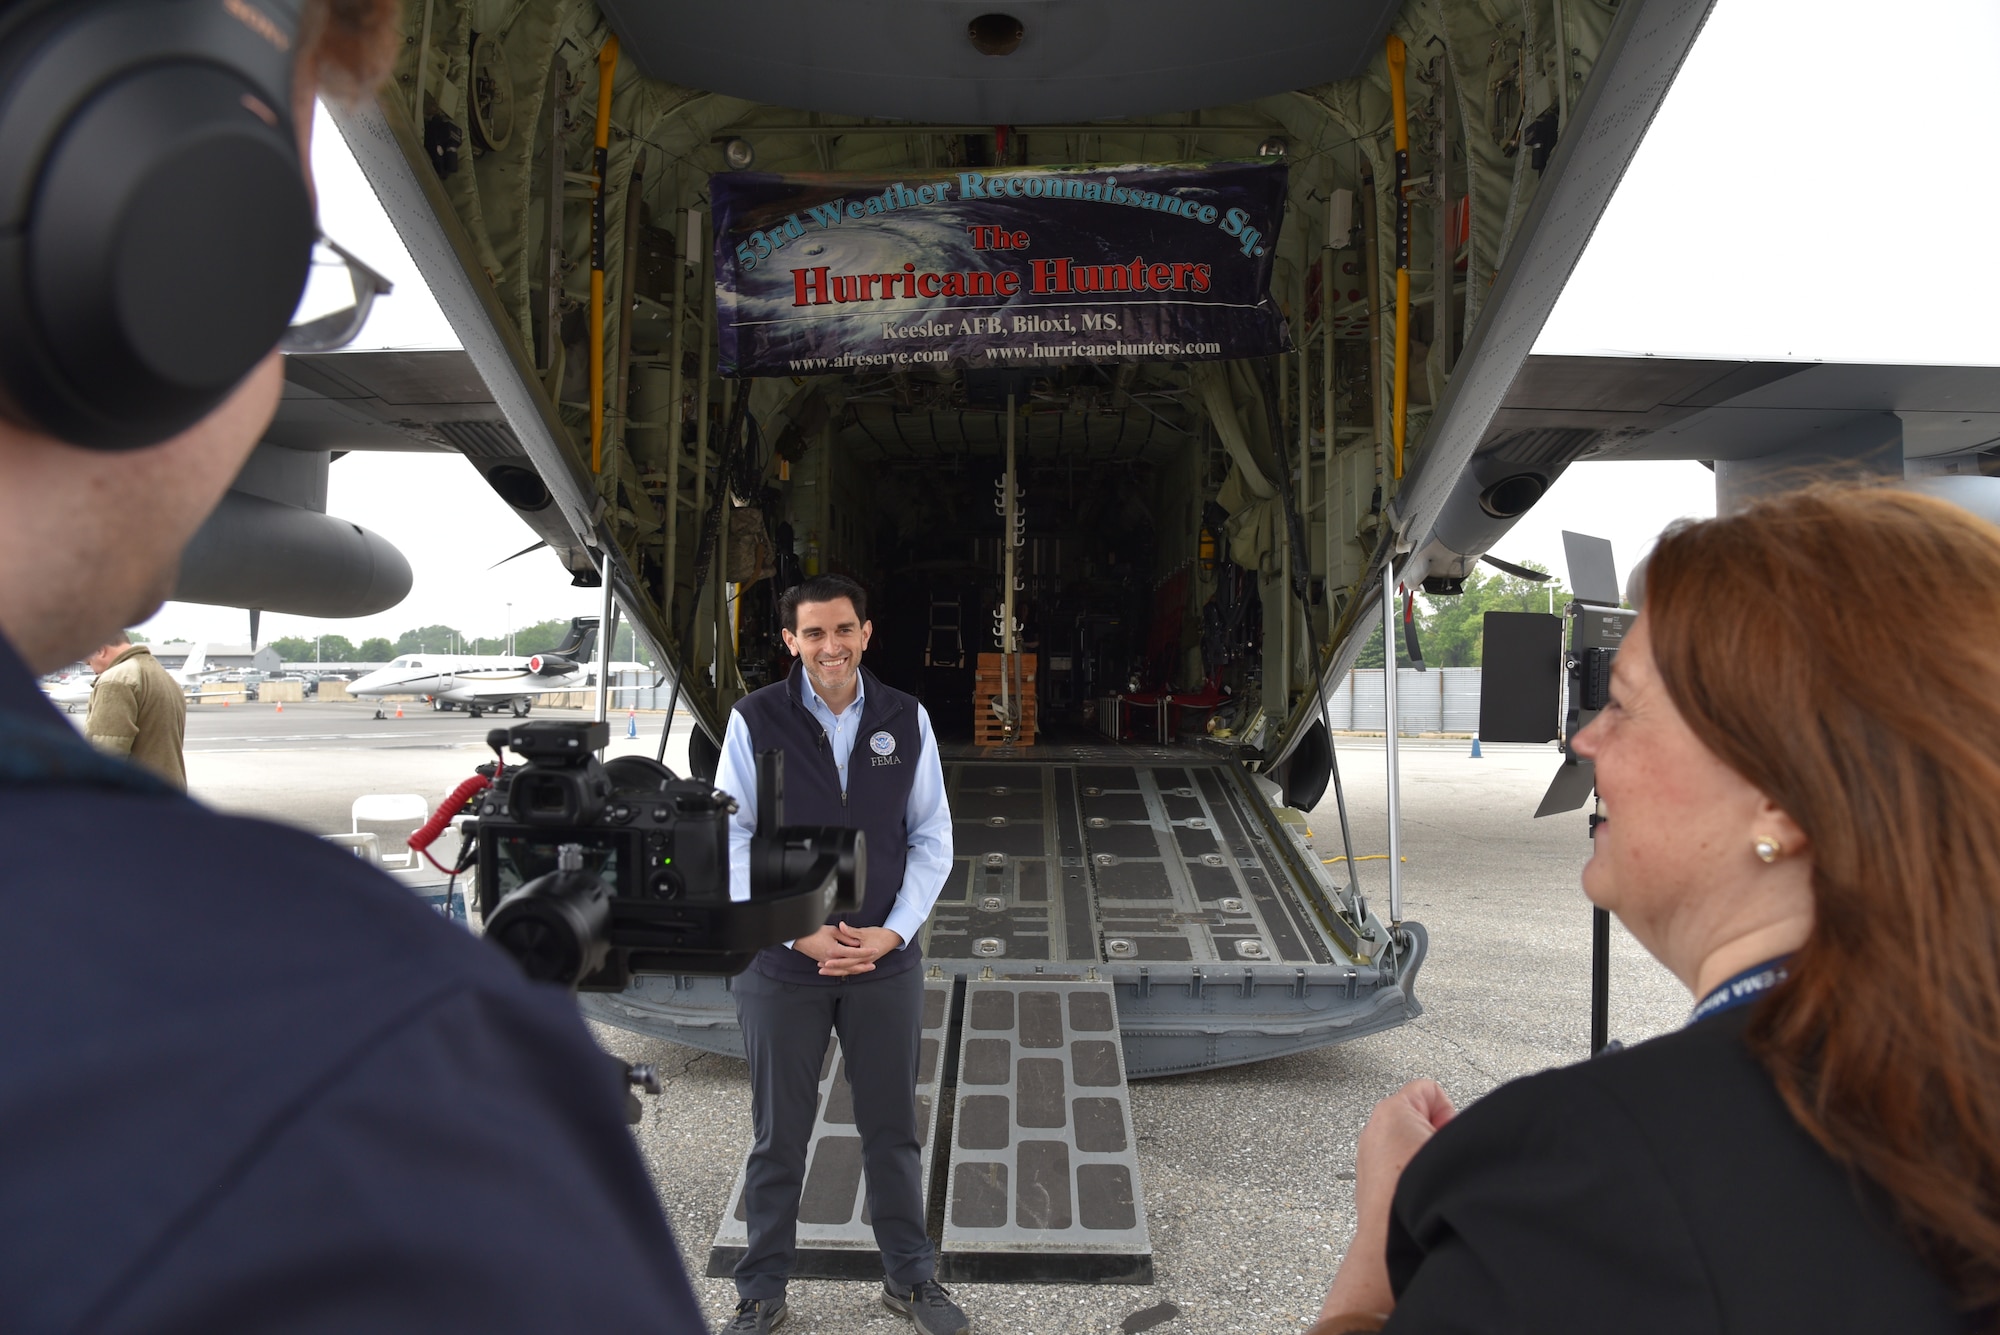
225 703
281 706
399 711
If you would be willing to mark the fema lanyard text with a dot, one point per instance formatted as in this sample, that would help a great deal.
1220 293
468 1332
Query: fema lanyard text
1740 991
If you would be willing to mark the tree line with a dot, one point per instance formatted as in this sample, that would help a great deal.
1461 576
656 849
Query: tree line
537 638
1450 630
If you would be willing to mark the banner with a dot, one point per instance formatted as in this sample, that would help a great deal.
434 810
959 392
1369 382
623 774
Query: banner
995 269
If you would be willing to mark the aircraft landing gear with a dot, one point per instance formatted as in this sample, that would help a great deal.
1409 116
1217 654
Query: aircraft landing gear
476 712
521 708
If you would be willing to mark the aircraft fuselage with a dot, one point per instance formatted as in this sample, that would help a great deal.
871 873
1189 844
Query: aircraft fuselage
466 680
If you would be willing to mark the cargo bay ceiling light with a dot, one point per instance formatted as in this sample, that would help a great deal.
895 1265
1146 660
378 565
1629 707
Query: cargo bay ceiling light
739 155
1274 147
995 34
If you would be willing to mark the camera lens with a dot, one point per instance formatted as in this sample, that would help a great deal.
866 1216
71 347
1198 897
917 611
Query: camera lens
555 926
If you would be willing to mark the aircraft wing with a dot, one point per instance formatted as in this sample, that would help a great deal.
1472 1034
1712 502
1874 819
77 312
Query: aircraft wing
432 401
1640 56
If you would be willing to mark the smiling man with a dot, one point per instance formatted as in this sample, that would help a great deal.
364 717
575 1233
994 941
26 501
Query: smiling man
861 755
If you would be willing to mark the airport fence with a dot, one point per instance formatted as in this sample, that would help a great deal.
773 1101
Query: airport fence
1437 700
629 690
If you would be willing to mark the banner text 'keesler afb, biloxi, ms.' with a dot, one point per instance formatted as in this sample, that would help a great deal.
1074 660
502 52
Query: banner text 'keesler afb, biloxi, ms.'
817 274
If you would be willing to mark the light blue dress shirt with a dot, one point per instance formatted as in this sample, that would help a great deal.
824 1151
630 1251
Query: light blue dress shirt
928 815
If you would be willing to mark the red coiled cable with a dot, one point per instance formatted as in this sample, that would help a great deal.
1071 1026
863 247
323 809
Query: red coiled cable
455 802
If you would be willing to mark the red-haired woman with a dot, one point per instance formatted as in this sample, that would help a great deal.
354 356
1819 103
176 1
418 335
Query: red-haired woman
1801 769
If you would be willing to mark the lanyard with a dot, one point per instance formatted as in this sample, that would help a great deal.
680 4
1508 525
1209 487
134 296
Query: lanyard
1743 989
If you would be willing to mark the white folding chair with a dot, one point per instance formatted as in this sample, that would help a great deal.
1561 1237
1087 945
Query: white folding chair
406 810
367 845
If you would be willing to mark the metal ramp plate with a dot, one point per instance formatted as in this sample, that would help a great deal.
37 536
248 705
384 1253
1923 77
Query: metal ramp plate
1108 863
1044 1182
836 1238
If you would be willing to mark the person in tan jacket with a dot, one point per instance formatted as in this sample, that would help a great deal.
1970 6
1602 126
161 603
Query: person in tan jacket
137 710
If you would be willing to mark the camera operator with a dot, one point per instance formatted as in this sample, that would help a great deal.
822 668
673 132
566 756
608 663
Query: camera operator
249 1084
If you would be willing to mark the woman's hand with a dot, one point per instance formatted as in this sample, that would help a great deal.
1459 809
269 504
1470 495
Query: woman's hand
1400 1126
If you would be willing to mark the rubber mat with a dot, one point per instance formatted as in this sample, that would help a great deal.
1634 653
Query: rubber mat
1044 1181
835 1238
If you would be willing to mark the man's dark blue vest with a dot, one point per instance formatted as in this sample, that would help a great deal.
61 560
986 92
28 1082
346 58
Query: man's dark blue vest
877 800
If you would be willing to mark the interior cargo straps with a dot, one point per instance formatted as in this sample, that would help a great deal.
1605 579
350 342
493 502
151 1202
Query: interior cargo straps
34 752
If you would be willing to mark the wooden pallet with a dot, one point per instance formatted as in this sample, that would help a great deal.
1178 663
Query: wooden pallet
995 735
987 729
990 670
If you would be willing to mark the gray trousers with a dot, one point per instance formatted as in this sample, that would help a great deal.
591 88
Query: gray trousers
785 1032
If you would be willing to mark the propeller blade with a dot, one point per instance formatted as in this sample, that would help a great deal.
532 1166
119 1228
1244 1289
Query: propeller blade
1412 649
1518 572
523 552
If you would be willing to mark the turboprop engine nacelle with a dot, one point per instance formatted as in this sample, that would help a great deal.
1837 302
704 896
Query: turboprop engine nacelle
270 545
253 552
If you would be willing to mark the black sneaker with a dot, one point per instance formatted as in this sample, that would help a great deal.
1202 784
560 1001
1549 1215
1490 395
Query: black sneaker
928 1306
758 1316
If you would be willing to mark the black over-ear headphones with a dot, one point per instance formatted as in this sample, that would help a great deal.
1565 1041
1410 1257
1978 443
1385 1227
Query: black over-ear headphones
155 225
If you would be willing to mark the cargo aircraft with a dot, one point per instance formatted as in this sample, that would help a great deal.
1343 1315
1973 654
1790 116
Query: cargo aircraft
1141 359
885 300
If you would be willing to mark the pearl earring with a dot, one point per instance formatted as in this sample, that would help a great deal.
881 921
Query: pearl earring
1767 848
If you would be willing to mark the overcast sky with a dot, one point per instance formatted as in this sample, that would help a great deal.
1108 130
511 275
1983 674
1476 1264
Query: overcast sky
1818 187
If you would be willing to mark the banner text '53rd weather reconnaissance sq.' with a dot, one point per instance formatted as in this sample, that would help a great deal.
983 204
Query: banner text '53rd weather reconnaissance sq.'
993 269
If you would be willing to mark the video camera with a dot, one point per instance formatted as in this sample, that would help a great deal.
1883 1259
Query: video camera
591 873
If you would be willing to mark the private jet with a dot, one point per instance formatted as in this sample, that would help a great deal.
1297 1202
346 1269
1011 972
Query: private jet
69 692
483 682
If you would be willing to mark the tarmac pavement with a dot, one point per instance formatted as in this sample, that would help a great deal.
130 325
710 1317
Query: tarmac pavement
1247 1172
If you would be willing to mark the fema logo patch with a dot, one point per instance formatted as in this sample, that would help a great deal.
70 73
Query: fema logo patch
882 744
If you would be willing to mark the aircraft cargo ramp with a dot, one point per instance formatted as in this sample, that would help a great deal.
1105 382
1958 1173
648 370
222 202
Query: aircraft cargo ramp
1115 912
1161 871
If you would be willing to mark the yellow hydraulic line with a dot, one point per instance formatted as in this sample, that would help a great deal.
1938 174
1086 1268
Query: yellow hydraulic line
1400 120
607 65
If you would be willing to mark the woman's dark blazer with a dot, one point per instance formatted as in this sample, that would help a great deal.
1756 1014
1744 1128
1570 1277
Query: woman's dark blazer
1660 1189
